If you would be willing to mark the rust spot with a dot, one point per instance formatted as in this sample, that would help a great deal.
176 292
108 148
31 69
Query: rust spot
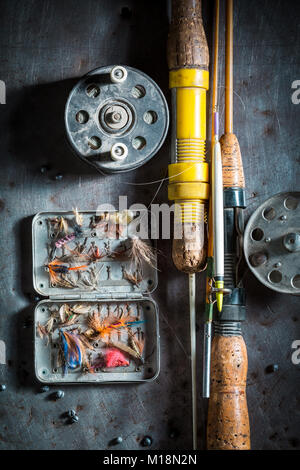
55 199
83 64
267 112
269 130
30 416
12 184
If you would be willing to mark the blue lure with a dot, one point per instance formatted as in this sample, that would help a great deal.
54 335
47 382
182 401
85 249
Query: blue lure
72 350
133 323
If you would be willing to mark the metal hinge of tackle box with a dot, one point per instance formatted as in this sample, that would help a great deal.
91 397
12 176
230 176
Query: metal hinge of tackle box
93 297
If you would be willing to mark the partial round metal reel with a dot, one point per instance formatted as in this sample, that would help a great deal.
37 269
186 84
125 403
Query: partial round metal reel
116 118
272 243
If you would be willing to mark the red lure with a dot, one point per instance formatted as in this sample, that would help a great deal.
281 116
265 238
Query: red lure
115 358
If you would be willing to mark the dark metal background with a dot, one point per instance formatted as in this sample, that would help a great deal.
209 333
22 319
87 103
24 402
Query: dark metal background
45 47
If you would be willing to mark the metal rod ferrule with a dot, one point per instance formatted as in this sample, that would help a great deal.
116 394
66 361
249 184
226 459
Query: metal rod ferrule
206 359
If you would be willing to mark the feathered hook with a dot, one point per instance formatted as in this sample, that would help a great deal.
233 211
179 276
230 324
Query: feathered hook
78 217
141 251
73 350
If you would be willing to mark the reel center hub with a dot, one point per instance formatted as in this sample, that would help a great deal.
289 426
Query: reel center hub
115 117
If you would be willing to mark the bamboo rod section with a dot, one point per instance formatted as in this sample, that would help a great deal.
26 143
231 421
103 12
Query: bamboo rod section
229 69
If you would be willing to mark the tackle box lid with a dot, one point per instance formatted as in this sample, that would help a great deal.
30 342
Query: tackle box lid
108 277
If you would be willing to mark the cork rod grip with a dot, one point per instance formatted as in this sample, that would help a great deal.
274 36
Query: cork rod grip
187 44
233 173
228 420
232 164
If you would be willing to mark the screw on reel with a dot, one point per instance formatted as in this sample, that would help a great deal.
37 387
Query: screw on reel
272 243
116 118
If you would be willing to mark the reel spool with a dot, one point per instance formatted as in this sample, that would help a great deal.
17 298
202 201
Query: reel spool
116 118
272 243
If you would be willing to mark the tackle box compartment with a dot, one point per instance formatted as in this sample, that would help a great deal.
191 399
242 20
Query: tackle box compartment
112 294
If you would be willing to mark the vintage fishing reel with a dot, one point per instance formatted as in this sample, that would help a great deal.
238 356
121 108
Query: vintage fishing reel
272 243
116 118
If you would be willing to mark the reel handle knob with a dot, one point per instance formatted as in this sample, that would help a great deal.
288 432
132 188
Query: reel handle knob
118 74
119 152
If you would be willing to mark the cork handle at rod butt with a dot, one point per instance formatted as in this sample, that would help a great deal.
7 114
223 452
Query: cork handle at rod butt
187 44
233 172
228 420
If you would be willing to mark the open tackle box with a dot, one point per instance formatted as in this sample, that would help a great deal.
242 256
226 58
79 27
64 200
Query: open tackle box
88 274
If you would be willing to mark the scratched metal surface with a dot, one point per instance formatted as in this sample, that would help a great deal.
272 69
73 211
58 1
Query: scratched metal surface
45 47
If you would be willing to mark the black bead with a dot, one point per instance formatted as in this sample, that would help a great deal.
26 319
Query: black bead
44 169
59 394
116 441
146 441
74 419
173 434
71 413
272 368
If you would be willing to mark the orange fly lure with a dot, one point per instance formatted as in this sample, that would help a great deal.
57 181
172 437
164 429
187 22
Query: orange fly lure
56 267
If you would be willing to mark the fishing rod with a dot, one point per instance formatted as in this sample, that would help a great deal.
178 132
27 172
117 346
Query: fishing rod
217 207
188 60
228 420
215 254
